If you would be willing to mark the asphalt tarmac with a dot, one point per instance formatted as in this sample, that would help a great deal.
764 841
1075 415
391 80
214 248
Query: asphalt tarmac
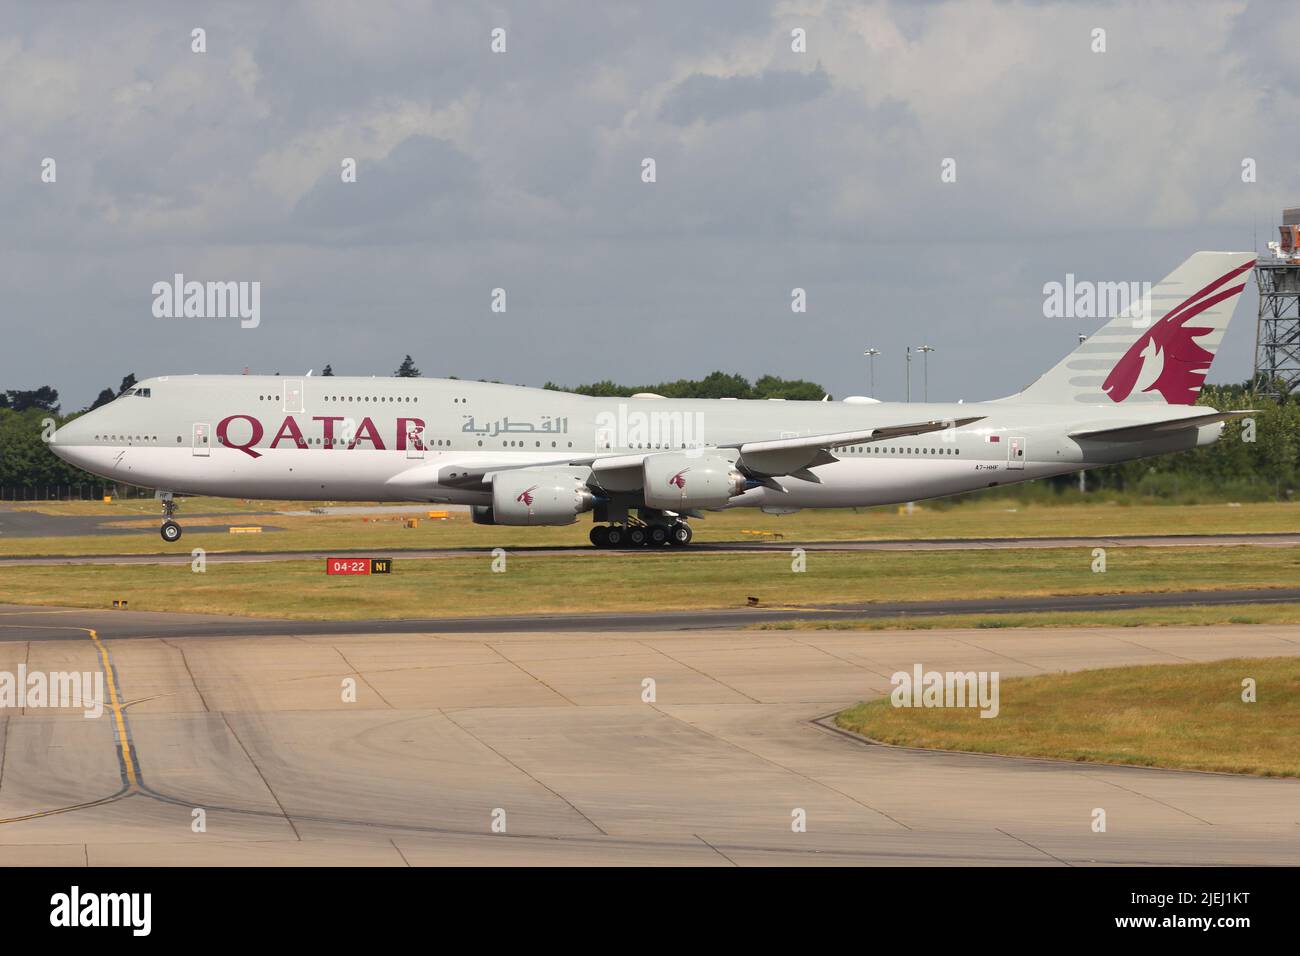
131 624
33 524
181 552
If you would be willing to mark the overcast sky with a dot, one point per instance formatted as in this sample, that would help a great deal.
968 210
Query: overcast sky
523 170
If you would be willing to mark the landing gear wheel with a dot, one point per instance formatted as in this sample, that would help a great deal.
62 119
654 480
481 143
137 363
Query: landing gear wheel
681 534
636 537
600 536
658 535
615 536
170 531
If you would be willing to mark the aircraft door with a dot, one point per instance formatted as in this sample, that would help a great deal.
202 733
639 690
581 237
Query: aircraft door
201 440
414 440
293 396
1015 454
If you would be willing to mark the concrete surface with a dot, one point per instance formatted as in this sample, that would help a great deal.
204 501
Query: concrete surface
551 728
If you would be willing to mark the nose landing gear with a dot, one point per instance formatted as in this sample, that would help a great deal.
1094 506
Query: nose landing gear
170 530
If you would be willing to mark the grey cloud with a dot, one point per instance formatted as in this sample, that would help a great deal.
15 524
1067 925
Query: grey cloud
405 187
522 171
711 98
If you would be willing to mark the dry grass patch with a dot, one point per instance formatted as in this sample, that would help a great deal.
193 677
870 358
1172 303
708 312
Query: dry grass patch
1181 716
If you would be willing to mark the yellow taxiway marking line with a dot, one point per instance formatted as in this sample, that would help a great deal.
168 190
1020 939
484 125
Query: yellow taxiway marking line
114 701
45 627
67 610
123 739
49 813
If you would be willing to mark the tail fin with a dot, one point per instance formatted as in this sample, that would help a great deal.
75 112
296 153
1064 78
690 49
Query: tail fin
1137 358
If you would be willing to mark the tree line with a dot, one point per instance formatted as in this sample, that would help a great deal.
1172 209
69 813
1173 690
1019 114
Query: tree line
714 385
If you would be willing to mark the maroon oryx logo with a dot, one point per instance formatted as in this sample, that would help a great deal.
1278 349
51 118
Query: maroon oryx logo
1177 362
526 496
679 479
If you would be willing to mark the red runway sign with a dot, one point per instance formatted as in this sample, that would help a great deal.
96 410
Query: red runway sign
358 565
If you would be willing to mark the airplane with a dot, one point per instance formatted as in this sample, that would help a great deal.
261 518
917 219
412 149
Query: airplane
644 466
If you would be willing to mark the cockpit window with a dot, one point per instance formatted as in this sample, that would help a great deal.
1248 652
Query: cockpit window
141 392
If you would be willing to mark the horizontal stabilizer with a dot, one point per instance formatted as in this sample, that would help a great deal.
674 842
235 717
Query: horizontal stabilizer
1157 429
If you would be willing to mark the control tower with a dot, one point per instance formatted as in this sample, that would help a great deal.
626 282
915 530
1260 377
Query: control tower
1277 336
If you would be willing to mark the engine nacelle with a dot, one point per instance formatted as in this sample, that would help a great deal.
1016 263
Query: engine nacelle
676 482
539 497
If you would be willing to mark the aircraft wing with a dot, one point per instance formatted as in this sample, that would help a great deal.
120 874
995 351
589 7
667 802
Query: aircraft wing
796 456
472 476
1157 429
782 456
842 439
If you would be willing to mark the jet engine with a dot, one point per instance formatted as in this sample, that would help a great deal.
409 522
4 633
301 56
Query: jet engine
676 482
538 497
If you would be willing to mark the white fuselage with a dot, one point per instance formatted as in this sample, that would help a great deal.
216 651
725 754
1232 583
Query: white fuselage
394 439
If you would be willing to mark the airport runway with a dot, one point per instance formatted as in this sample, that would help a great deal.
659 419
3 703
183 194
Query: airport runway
33 524
549 736
18 523
182 555
30 622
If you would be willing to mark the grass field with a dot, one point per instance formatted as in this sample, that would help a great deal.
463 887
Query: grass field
982 519
467 586
1184 716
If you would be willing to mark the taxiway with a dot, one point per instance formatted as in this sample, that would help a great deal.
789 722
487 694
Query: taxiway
551 733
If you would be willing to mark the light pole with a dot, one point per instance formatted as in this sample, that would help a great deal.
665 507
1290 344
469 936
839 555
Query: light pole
871 358
909 373
925 351
1083 481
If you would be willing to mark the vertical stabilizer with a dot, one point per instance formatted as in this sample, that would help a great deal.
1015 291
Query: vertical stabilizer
1156 351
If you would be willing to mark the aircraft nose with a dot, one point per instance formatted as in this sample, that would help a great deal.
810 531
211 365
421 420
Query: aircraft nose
68 438
60 443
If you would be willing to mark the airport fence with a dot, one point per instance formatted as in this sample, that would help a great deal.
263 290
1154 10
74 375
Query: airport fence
75 492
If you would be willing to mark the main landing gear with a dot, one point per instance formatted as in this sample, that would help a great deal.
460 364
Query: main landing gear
617 536
170 530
